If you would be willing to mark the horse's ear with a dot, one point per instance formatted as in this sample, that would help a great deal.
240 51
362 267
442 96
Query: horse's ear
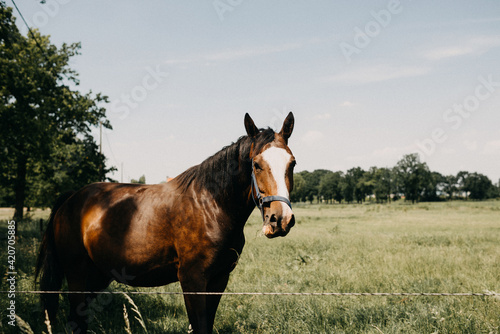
286 130
250 126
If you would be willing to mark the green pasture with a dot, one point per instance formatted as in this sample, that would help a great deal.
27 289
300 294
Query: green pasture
428 247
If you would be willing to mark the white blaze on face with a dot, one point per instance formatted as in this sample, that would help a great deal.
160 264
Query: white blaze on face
277 160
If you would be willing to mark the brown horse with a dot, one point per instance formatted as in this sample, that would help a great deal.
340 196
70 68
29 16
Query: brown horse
188 230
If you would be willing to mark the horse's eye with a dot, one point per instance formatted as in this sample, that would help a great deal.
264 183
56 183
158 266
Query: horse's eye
257 166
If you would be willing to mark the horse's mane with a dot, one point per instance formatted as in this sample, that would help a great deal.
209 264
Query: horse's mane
216 173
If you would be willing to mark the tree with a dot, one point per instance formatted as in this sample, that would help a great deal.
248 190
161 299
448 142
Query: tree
40 114
305 189
312 180
495 191
73 163
359 186
352 185
367 182
142 180
299 185
412 176
479 186
329 186
315 178
430 182
347 186
325 187
463 184
383 181
338 195
448 186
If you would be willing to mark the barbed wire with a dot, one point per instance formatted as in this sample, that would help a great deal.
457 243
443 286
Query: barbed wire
338 294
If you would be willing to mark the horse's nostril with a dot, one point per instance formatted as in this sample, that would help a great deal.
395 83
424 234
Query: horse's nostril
273 218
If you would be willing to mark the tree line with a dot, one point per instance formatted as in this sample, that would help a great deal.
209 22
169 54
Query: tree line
410 179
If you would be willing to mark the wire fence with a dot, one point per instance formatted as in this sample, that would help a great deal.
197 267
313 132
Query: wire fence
337 294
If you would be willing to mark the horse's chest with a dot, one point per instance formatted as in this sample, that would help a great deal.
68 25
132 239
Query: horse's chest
227 256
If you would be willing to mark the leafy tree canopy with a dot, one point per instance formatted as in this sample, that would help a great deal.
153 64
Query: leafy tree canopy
46 143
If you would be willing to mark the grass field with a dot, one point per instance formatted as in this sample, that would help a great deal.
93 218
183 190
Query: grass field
428 247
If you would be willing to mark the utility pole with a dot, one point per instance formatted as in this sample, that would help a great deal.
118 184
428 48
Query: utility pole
100 137
100 151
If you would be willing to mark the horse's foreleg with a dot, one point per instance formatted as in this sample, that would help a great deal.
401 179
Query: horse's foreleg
217 284
201 309
196 304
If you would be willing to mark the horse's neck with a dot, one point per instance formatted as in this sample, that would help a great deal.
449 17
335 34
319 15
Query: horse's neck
226 179
238 200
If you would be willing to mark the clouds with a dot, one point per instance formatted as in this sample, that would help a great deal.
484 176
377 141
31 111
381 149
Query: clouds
347 104
417 61
492 148
238 53
254 51
320 117
312 137
381 157
475 46
375 73
470 145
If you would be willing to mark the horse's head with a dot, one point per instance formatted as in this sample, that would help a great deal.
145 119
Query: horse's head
272 177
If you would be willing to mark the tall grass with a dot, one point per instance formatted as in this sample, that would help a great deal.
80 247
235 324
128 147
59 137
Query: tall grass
429 247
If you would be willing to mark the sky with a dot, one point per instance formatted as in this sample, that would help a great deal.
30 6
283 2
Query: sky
367 81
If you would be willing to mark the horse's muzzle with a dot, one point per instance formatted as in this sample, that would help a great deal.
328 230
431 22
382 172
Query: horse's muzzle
278 225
